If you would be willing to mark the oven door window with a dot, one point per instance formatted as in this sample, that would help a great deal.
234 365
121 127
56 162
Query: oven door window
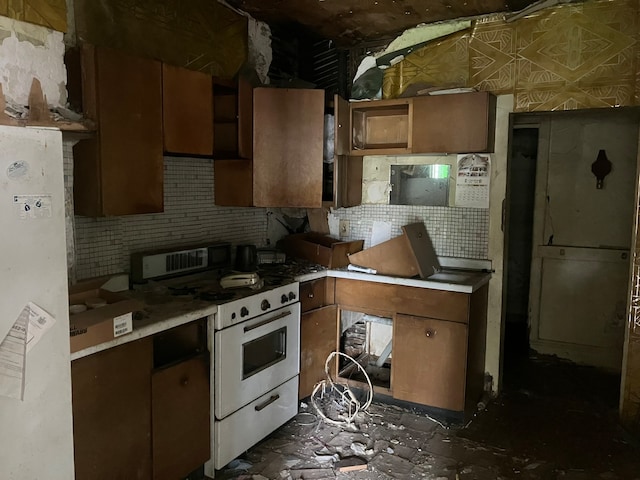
263 352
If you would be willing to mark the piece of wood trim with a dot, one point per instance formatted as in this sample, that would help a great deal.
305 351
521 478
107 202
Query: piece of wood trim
38 108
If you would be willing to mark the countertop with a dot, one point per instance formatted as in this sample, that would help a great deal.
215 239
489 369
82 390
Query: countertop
163 312
451 280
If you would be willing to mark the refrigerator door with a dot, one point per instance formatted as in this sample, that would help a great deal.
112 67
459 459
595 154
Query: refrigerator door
35 432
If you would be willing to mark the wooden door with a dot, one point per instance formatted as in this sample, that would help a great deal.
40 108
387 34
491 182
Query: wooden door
112 413
318 338
187 111
429 361
457 123
287 147
181 424
582 236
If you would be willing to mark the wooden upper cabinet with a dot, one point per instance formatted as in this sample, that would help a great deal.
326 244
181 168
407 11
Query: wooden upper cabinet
456 123
381 127
287 145
232 119
187 103
120 171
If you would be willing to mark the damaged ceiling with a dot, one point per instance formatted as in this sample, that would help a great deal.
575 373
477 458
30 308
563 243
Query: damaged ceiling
349 23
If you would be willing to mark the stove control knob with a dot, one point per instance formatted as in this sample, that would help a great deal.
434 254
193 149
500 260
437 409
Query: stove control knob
265 305
244 312
292 296
284 298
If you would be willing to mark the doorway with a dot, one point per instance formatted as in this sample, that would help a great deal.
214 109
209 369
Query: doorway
567 238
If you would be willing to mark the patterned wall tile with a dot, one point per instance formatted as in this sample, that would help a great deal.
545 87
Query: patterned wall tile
492 56
48 13
566 53
444 63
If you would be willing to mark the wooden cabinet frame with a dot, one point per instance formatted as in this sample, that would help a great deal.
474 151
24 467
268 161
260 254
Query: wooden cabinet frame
453 322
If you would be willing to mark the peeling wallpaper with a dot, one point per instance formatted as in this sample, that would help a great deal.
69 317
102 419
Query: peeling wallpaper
563 58
27 52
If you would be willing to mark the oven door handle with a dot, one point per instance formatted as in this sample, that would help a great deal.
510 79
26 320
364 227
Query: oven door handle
269 401
266 321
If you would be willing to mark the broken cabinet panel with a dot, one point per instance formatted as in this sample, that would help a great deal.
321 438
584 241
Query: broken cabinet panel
317 340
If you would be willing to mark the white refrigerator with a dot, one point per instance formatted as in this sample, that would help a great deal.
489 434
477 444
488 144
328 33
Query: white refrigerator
36 433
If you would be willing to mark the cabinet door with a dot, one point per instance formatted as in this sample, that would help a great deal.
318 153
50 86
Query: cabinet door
187 111
181 424
457 123
287 147
318 338
429 362
312 294
112 413
121 171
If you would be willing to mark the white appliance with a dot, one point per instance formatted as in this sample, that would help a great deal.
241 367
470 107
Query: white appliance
255 368
36 433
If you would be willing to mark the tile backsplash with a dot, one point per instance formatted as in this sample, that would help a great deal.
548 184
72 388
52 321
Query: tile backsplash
455 232
103 245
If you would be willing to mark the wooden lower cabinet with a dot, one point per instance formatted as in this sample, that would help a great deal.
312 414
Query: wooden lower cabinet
112 413
429 361
318 331
134 422
180 418
439 336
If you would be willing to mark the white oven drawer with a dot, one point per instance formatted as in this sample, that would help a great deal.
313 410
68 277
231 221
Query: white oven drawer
249 425
254 356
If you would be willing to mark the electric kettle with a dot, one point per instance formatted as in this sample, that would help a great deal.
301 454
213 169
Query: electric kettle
246 258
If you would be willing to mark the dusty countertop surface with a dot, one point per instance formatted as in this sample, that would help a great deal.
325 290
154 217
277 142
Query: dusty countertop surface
163 311
463 281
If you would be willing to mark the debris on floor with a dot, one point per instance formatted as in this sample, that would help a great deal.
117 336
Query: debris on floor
553 432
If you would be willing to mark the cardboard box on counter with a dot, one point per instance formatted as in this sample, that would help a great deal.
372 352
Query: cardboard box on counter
320 249
102 323
411 254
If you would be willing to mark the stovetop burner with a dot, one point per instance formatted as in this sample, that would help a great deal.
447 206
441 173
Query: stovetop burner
215 296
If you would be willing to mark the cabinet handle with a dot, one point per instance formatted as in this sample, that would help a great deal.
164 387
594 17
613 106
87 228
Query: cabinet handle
311 295
430 333
184 381
264 405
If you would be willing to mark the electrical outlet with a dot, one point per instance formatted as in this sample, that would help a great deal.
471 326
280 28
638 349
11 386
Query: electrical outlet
343 228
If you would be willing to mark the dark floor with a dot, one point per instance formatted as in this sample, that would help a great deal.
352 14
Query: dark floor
553 420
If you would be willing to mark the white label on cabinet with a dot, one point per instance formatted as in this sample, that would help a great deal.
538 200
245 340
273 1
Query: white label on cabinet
123 324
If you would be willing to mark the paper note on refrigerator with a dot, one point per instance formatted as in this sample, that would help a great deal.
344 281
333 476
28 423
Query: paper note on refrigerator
32 323
13 356
39 322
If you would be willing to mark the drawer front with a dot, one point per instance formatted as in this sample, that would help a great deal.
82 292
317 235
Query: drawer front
312 294
244 428
424 302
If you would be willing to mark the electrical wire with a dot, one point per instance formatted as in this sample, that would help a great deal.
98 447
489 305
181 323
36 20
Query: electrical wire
340 395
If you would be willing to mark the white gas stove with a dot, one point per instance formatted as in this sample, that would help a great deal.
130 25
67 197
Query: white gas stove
254 341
